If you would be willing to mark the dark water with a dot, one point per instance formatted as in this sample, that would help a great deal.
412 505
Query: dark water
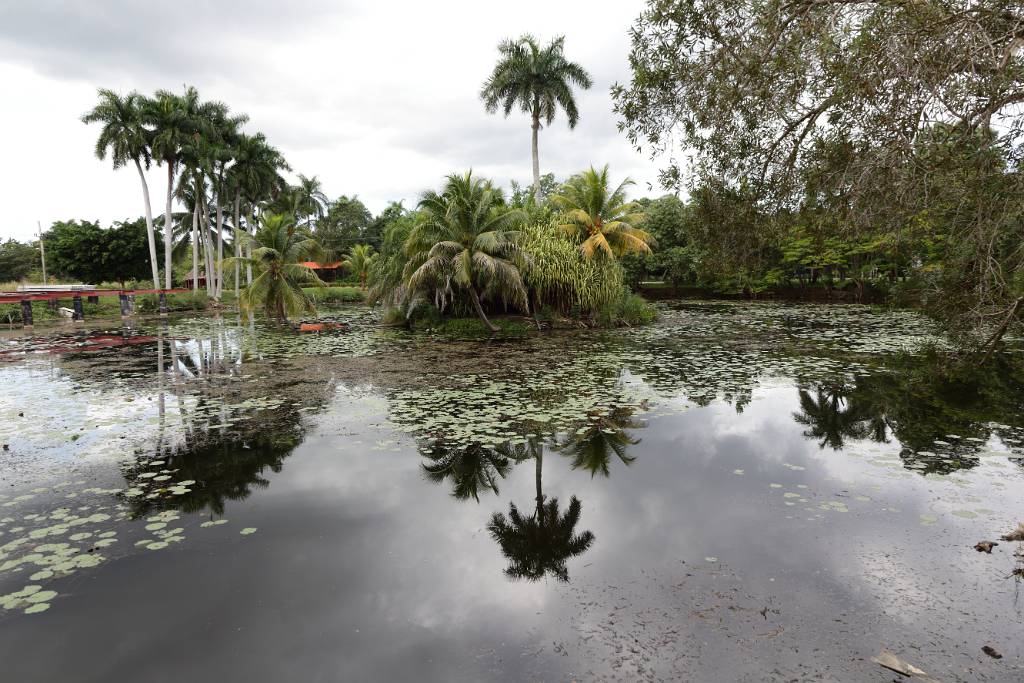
736 493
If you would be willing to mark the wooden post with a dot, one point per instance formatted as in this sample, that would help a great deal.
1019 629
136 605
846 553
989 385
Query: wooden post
93 299
26 314
79 313
125 307
163 303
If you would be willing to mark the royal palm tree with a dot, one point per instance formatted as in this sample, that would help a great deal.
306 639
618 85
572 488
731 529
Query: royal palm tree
176 121
592 446
602 219
465 240
124 136
278 250
359 260
538 80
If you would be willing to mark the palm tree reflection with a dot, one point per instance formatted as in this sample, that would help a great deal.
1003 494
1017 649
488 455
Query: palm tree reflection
543 542
471 469
603 435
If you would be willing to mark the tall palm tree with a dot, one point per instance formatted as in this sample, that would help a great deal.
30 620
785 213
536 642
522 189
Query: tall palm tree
601 217
359 260
175 121
223 131
466 240
124 136
538 80
541 543
278 252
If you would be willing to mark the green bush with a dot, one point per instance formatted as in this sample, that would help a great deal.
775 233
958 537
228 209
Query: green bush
193 301
629 309
335 295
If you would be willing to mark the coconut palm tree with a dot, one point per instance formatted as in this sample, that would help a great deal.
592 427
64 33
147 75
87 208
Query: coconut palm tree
310 199
538 80
124 136
465 241
359 260
278 252
541 543
600 217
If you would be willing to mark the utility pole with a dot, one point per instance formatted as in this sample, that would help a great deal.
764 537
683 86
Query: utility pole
42 249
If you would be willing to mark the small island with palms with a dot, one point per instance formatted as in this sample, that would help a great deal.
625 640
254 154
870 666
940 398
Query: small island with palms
665 340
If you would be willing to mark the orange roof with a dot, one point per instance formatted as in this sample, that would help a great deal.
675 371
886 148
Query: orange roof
321 266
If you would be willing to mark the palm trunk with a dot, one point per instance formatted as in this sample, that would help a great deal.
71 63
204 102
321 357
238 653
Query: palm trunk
195 246
536 158
150 230
220 249
208 251
238 231
248 251
539 459
480 310
167 225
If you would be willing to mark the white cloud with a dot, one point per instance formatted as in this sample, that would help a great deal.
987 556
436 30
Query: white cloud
379 100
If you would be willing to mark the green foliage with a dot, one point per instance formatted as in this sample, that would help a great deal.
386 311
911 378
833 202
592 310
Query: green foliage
335 295
278 251
627 309
191 301
464 243
560 277
17 260
474 328
85 251
599 217
359 261
345 223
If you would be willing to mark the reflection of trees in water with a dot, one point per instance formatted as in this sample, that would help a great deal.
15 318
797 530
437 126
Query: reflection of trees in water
942 415
604 435
225 467
540 543
470 469
543 542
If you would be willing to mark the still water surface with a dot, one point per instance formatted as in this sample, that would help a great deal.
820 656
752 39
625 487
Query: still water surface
738 492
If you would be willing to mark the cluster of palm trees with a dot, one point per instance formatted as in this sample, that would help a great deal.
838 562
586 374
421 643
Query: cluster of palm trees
212 167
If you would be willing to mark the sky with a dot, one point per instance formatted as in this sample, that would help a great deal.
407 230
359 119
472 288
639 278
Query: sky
377 99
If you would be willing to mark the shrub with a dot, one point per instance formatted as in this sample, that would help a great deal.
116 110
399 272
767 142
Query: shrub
629 309
335 295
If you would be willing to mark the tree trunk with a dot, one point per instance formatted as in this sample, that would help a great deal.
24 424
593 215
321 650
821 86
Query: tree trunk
539 459
536 158
248 251
195 246
150 230
480 310
220 250
238 231
994 339
167 225
208 250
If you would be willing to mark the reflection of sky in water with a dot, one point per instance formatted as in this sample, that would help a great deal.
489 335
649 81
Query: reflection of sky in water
731 547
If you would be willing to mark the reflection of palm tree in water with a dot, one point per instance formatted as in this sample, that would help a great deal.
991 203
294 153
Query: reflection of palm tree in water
592 446
833 414
471 469
541 543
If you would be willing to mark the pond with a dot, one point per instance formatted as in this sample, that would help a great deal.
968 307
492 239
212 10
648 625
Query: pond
737 492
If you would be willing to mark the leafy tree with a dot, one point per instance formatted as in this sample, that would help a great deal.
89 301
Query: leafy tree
279 250
17 260
601 218
874 110
374 232
346 221
125 251
126 139
538 80
464 243
84 250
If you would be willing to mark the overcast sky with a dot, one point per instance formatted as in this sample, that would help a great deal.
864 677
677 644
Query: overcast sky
378 99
